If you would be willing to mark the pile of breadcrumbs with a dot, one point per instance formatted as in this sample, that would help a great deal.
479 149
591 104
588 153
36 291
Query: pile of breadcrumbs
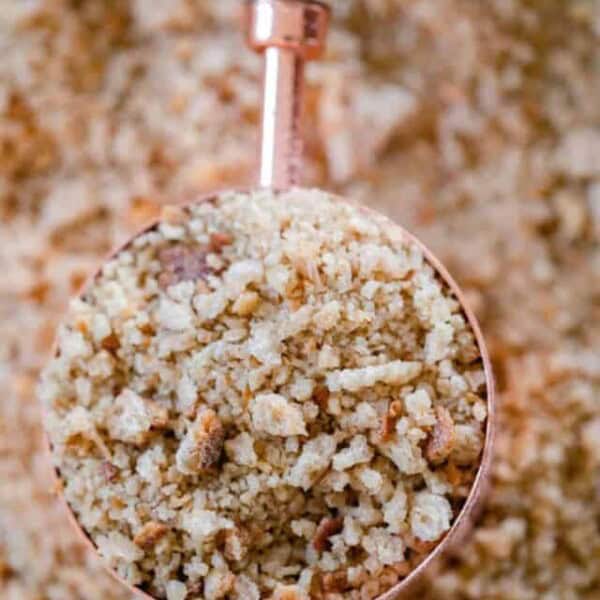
266 394
473 124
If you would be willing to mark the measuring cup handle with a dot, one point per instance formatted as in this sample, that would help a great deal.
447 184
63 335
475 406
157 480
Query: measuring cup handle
288 32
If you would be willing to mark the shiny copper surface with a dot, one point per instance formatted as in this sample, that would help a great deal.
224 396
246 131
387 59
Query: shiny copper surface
299 26
289 33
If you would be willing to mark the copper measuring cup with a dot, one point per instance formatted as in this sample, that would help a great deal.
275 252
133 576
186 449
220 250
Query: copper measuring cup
289 33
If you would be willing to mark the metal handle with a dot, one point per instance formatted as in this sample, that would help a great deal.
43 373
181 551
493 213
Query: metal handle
288 32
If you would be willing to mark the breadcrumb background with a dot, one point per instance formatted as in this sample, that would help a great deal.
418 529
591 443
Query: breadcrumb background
474 124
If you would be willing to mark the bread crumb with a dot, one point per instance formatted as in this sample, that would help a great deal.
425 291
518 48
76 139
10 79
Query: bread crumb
430 516
246 304
443 437
326 528
133 418
393 373
315 458
176 590
275 415
202 445
241 449
358 452
150 534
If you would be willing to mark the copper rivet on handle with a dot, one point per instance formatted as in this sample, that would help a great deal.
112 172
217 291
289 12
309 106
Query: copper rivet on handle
287 24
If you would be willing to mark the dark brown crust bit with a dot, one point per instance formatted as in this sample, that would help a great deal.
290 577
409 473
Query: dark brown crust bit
442 438
150 534
321 396
219 240
182 262
327 527
210 437
111 343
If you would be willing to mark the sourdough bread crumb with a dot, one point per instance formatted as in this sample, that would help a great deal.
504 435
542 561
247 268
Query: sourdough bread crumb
239 393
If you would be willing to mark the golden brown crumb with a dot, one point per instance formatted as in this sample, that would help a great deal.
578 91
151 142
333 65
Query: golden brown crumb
150 534
388 421
246 304
203 444
386 428
396 409
335 582
219 240
236 545
388 577
369 590
442 438
453 474
111 342
160 417
326 528
288 592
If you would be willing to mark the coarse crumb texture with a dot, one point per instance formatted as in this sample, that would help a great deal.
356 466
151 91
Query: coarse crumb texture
472 124
266 391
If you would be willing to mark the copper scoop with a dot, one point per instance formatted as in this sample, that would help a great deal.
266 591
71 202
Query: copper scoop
289 33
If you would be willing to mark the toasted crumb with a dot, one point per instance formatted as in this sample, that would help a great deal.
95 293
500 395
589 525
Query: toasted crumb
443 437
388 421
111 342
150 534
202 446
289 592
218 584
219 240
246 304
335 582
327 527
321 395
237 543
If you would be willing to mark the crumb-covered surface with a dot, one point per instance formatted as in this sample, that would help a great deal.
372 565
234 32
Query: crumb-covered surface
266 391
477 128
